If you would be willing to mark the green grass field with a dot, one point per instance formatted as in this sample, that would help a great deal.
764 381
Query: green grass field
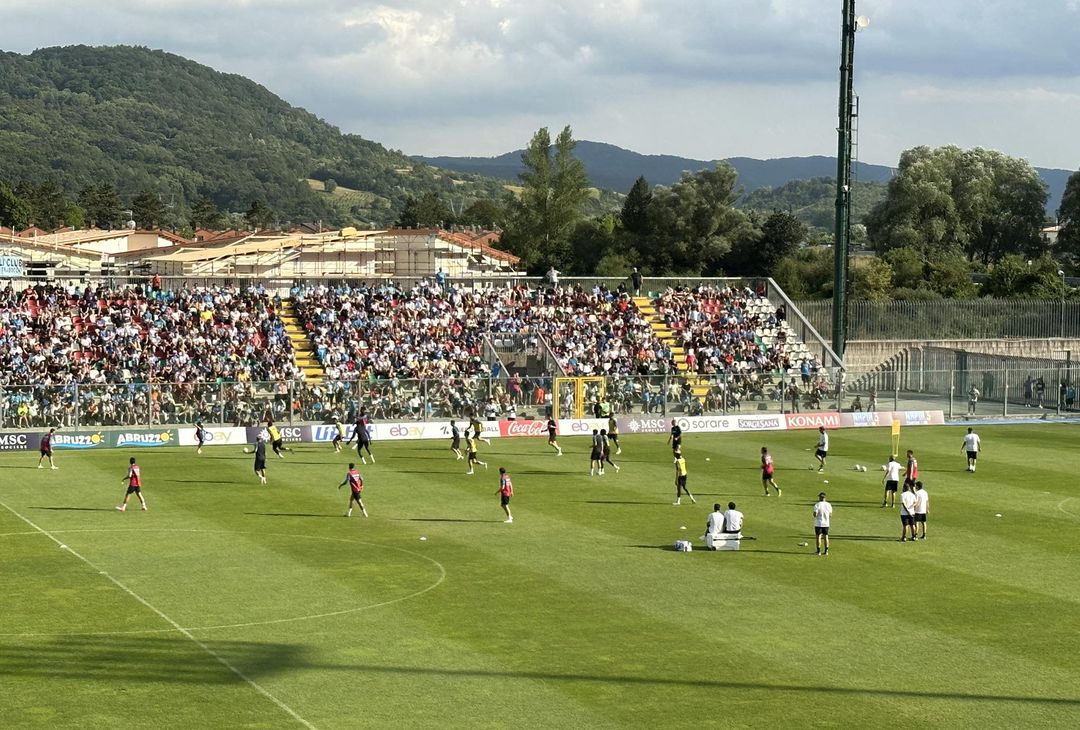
233 605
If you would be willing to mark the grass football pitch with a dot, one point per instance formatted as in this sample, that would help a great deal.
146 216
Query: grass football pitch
232 605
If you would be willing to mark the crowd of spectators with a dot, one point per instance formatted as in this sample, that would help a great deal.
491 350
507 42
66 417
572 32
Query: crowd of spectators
95 353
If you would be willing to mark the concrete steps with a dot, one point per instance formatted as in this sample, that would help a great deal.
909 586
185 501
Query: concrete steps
303 352
698 385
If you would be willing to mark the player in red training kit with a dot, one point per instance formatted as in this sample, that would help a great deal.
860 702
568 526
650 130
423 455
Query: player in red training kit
46 449
767 472
356 488
506 491
134 482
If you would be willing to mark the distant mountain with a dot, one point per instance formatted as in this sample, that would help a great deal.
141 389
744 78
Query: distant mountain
615 168
141 119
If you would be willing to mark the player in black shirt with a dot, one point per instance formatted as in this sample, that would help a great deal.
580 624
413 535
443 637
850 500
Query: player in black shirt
552 428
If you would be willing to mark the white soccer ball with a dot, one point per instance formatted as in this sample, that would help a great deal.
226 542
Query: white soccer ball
883 467
247 450
707 459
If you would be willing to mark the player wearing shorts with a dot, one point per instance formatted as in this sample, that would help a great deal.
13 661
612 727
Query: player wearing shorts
911 471
605 449
339 436
552 429
675 437
680 480
260 458
200 436
907 512
822 520
596 454
822 451
891 480
134 485
478 429
972 445
46 449
470 447
363 438
922 507
275 438
455 440
506 491
767 472
613 433
356 489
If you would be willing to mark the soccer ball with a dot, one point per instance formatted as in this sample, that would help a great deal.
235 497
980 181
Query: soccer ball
883 467
247 450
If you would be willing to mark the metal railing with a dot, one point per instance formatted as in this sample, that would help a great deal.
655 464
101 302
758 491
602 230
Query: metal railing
951 319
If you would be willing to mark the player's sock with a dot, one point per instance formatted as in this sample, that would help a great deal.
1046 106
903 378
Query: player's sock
678 501
692 500
144 507
616 467
618 451
364 511
779 493
372 458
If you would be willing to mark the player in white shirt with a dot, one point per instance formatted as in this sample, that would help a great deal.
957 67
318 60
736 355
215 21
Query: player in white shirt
891 480
822 448
714 526
922 507
907 513
822 518
972 445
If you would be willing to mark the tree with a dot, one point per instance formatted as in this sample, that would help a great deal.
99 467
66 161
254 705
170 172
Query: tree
329 185
427 211
485 213
15 212
694 224
978 203
554 190
49 206
258 216
871 279
635 210
206 215
909 267
101 206
1069 217
147 210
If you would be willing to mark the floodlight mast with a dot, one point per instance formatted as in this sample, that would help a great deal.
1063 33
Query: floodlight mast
843 176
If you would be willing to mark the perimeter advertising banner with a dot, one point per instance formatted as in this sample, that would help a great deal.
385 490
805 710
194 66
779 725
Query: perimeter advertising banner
215 436
19 441
143 438
80 440
289 434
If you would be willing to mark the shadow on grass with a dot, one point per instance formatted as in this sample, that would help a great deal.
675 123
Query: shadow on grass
616 501
436 519
156 659
702 683
285 514
78 509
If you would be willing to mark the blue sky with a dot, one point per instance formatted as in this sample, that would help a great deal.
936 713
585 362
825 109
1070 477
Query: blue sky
699 78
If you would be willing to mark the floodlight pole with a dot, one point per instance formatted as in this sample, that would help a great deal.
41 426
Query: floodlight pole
843 180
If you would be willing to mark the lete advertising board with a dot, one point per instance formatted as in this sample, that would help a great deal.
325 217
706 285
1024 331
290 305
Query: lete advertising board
581 426
509 429
125 439
79 440
19 441
215 436
289 434
796 421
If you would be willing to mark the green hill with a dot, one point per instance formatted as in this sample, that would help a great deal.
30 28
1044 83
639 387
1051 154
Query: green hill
814 201
141 119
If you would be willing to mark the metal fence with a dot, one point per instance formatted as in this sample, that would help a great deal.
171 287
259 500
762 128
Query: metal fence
953 319
990 388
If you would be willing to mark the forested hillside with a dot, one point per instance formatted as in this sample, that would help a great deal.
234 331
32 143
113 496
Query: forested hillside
144 120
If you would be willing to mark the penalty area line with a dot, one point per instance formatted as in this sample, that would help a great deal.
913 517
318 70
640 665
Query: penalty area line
176 627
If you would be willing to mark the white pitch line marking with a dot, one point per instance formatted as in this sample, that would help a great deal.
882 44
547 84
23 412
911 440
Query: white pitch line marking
177 627
1061 508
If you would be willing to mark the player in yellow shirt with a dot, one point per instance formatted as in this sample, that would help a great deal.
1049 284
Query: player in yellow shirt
680 479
